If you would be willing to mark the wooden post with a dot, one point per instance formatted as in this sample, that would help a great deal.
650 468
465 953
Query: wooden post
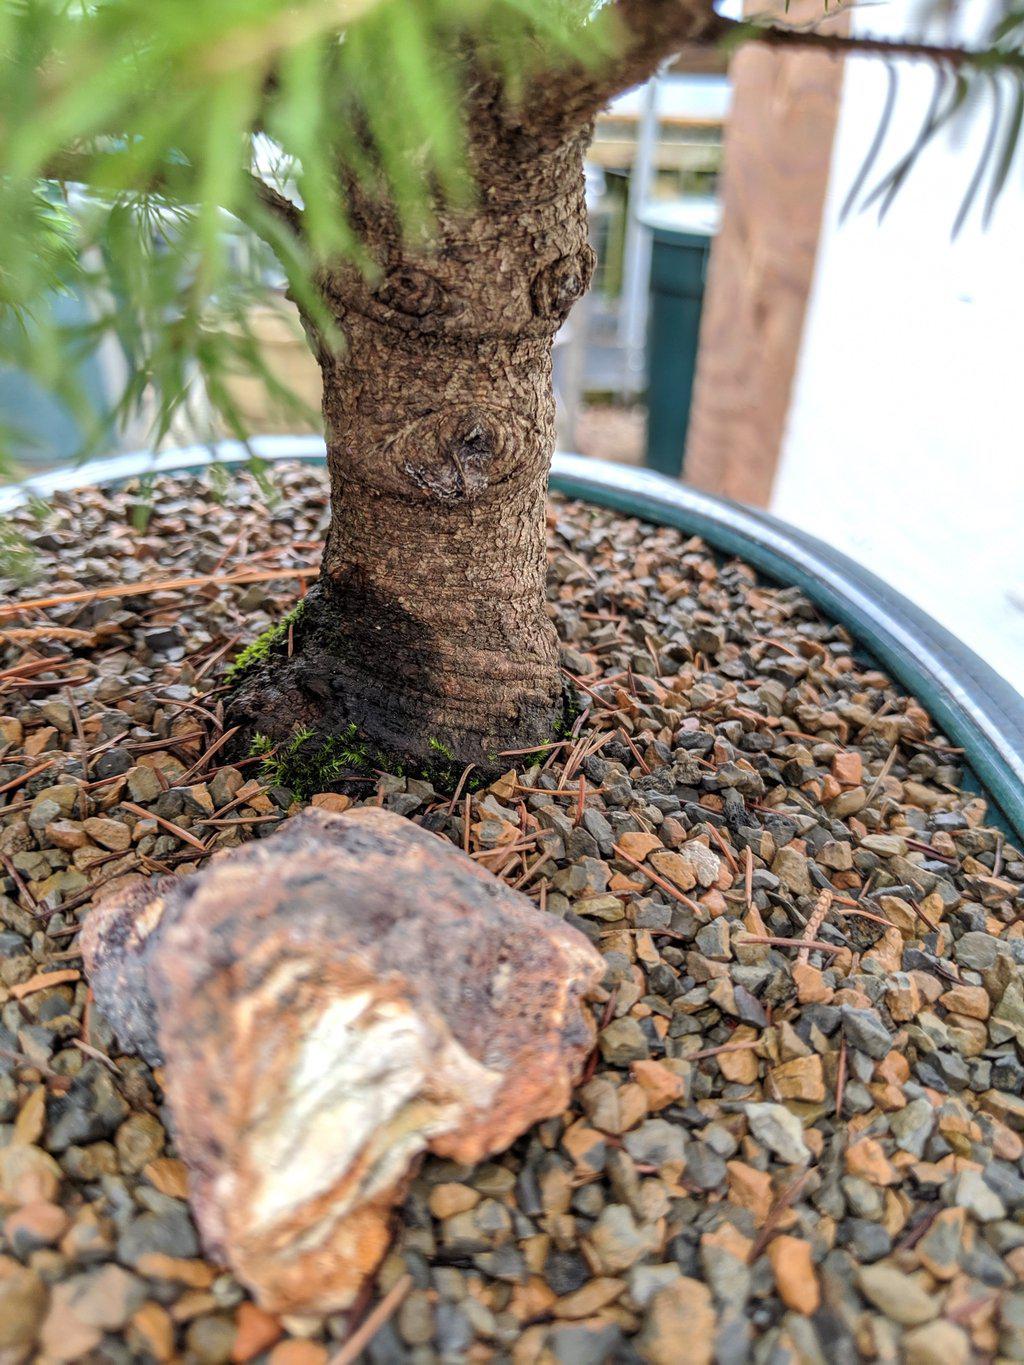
778 152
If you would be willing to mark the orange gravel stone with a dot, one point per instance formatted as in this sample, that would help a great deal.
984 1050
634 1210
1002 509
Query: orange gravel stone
793 1269
296 1352
751 1189
255 1331
169 1176
867 1159
660 1085
152 1324
638 844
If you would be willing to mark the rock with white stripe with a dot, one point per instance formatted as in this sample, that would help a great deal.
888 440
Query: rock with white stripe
328 1003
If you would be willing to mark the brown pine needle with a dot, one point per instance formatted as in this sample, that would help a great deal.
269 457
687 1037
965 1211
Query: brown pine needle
746 1046
608 705
19 781
528 874
372 1323
840 1078
535 748
32 666
206 580
787 1197
91 1051
574 761
168 825
634 750
241 820
43 980
15 877
666 886
883 772
727 852
458 790
217 654
23 634
790 943
501 849
201 762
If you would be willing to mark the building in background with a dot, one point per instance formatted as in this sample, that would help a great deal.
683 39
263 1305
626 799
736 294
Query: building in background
858 377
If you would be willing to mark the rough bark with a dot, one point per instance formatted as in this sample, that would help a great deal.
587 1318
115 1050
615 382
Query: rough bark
426 631
427 628
328 1003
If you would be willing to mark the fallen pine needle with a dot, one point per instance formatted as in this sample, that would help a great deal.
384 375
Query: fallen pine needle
24 634
746 1046
666 886
41 980
241 820
780 1206
458 790
168 825
727 852
528 874
372 1323
608 705
19 781
91 1051
30 666
840 1079
202 762
206 580
790 943
634 750
18 881
501 850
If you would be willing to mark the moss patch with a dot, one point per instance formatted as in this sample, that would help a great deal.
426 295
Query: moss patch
572 709
271 642
307 763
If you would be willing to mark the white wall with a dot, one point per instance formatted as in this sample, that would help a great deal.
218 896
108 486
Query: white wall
905 444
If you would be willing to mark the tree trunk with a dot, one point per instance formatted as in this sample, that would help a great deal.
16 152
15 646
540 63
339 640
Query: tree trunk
427 629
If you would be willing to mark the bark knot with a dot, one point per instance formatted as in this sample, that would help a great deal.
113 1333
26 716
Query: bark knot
558 285
414 292
455 455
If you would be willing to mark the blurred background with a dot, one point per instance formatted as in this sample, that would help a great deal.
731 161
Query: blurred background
745 333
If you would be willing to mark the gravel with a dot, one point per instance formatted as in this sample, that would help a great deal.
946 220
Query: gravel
801 1136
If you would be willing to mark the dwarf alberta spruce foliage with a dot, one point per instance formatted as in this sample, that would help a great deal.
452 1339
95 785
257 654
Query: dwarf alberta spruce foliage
413 169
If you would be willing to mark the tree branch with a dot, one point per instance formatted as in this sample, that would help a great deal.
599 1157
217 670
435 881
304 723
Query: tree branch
88 169
651 31
642 34
278 203
847 45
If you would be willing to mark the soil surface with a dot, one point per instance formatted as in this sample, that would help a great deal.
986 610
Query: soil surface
801 1135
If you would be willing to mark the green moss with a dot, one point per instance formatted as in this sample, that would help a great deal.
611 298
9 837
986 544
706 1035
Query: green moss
305 765
571 712
17 558
266 645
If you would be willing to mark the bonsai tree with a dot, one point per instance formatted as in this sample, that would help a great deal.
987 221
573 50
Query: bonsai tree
416 167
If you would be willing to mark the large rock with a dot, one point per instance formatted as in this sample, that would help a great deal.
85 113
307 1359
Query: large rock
328 1003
